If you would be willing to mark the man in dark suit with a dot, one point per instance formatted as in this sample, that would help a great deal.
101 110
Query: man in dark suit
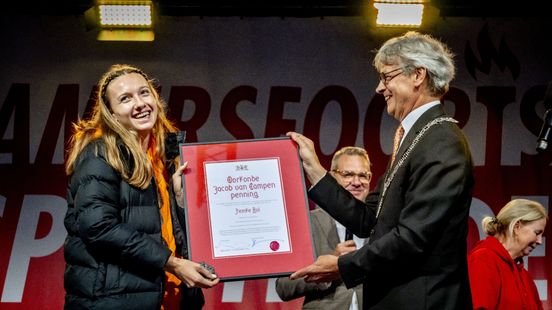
417 217
351 168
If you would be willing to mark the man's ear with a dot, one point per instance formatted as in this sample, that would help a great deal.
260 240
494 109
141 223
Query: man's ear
419 75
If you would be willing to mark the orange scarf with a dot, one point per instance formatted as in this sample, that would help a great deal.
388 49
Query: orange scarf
171 298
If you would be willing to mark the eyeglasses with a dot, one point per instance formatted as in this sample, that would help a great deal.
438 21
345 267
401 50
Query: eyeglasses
348 176
386 77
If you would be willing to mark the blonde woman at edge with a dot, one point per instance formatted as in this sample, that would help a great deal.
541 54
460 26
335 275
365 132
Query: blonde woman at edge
498 279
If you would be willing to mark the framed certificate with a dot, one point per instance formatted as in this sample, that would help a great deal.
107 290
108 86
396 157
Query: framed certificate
246 208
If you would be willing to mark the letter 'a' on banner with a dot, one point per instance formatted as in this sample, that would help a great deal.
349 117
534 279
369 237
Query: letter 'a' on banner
246 207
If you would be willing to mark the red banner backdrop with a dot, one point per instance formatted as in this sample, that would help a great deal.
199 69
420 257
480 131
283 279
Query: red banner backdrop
32 232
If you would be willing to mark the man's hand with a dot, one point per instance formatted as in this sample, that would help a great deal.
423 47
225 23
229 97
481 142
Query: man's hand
324 269
344 247
311 164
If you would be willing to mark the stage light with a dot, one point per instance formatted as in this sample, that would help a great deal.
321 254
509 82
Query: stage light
127 20
125 15
399 13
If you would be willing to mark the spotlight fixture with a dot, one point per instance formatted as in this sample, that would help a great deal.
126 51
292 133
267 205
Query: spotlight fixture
116 15
399 13
127 20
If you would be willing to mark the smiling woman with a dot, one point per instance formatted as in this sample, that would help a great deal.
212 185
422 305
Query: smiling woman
124 226
498 279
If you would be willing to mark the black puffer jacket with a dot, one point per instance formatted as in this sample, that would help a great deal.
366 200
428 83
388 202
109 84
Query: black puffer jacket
114 250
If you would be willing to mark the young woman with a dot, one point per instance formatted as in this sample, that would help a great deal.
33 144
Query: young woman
125 247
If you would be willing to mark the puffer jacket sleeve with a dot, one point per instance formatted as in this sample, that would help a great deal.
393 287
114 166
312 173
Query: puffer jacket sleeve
96 188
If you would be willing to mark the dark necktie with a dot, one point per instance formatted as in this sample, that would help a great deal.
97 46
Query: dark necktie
348 235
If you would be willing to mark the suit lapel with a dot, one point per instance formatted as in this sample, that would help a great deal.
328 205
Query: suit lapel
329 229
333 237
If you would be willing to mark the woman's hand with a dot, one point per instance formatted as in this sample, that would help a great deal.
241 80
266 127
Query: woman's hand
191 273
177 184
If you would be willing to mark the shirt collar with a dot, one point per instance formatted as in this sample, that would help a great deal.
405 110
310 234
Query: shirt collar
414 115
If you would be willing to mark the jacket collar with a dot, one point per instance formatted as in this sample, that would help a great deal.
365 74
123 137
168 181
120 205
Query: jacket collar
492 243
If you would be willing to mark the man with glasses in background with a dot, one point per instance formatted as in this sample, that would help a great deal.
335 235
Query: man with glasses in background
351 169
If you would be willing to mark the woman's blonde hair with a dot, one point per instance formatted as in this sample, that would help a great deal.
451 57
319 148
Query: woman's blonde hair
517 210
103 125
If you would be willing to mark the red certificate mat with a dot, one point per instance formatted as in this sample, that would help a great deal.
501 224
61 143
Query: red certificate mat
246 208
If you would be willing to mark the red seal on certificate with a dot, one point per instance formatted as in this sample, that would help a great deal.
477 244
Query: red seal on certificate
274 245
